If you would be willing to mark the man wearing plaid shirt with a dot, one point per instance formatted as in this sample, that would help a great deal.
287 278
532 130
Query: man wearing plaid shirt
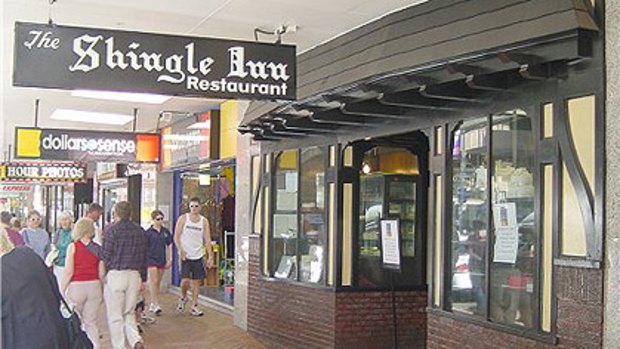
124 255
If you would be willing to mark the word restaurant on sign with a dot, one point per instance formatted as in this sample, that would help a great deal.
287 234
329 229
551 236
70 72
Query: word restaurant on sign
183 68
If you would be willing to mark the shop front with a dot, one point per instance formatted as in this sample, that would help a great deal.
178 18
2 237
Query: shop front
197 151
47 187
135 183
475 130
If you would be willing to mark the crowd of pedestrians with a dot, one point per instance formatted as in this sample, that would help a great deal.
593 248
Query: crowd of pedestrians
100 273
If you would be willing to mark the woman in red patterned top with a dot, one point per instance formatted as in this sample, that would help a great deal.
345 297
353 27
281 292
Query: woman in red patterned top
84 273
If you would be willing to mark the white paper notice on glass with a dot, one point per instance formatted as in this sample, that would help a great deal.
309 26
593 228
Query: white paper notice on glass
505 215
390 244
506 245
290 182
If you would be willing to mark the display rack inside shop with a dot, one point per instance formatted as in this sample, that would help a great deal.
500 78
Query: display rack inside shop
387 196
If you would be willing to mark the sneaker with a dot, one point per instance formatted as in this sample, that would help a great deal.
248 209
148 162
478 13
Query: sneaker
155 309
181 305
145 319
196 311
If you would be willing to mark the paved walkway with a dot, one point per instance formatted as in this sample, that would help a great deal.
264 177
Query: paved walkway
213 330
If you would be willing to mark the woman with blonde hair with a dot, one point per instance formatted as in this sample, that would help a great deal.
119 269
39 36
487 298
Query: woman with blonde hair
84 272
60 241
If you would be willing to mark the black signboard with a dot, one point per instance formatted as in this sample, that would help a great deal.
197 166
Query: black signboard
42 172
98 59
82 145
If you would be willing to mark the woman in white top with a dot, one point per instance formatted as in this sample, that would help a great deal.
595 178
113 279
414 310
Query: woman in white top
191 235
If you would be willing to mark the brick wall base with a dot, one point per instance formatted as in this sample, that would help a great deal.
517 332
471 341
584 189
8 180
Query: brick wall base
283 314
365 320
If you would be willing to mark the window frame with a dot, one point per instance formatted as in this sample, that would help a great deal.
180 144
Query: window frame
270 176
535 113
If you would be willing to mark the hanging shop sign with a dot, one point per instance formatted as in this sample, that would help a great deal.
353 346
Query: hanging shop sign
82 145
42 172
187 141
98 59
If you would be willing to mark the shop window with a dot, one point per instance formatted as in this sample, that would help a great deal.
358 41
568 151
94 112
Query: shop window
299 226
313 227
515 236
387 189
285 215
470 164
493 221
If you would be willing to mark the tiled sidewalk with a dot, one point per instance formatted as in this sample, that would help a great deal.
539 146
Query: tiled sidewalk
213 330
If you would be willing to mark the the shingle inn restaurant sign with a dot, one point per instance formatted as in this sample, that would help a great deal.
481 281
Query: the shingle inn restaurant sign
42 172
98 59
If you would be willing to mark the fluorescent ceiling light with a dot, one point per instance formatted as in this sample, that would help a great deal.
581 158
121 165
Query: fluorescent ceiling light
122 96
91 117
200 125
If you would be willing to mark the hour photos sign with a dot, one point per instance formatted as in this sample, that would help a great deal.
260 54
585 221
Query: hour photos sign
98 59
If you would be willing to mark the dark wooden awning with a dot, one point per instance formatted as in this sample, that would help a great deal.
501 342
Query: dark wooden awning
431 58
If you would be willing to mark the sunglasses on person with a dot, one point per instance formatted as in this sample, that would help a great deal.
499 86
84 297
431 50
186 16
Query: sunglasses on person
194 206
159 218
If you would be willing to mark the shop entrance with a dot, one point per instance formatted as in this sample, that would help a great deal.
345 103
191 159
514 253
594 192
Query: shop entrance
393 181
121 189
214 185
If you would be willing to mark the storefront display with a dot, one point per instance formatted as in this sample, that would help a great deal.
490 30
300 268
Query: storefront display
507 199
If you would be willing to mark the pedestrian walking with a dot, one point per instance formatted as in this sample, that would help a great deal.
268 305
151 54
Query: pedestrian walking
31 317
84 272
35 237
159 256
60 242
192 237
94 212
124 255
16 223
13 235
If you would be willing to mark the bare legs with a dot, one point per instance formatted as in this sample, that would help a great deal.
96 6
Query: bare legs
155 275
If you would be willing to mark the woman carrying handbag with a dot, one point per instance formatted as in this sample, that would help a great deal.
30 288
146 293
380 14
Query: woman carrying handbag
83 274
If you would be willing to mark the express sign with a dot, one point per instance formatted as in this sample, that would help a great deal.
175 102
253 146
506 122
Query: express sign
42 172
89 58
81 145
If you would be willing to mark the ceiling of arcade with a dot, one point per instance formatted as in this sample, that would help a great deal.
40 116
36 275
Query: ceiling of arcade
308 24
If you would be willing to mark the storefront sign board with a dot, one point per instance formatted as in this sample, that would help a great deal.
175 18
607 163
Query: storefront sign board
83 145
390 244
42 172
71 58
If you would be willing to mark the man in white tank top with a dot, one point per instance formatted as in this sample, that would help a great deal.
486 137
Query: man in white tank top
191 236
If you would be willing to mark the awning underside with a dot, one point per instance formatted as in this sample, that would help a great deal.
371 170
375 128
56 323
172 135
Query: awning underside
436 89
426 60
